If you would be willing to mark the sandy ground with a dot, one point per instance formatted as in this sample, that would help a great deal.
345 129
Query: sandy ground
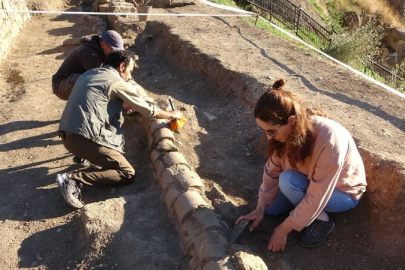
218 66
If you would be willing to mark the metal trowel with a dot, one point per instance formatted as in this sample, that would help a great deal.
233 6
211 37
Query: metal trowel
238 229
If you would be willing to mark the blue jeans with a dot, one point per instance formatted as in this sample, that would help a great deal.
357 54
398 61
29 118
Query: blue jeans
293 188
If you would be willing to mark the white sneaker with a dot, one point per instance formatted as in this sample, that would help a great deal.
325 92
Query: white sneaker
70 191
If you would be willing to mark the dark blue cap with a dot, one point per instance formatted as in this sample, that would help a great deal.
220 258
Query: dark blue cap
113 39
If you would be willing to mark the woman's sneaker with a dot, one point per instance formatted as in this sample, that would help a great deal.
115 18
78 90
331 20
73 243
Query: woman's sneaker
316 233
70 190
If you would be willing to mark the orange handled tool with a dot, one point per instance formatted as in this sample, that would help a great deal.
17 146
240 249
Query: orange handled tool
176 124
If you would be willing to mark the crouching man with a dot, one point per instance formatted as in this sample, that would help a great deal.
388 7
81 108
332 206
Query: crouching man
90 126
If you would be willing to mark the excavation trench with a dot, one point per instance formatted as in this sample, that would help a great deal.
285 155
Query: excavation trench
221 143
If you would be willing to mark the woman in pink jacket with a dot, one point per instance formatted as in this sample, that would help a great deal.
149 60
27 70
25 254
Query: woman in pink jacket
313 168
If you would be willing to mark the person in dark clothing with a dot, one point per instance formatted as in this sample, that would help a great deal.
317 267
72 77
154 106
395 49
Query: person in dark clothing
90 54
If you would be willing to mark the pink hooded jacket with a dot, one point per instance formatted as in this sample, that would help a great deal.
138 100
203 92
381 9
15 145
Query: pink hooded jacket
334 162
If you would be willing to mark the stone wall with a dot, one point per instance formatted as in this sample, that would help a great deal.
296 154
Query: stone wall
394 41
11 23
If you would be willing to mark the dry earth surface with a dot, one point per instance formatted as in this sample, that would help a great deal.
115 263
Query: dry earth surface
210 66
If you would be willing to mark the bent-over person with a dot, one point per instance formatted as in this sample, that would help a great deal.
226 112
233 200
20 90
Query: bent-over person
91 53
90 126
313 169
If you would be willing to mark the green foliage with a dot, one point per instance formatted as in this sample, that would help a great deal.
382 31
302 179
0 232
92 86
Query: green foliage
397 81
319 10
336 15
372 74
316 6
358 47
311 38
229 3
266 26
244 4
395 39
399 69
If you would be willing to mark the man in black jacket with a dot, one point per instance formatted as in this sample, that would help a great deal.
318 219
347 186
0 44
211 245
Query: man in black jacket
90 54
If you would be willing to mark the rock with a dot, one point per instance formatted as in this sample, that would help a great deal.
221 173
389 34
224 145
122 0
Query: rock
105 217
401 51
392 37
247 261
71 42
351 20
209 116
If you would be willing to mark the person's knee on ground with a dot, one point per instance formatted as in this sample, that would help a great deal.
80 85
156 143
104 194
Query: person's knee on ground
127 176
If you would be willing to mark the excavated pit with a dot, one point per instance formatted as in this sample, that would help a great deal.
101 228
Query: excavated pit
221 143
227 154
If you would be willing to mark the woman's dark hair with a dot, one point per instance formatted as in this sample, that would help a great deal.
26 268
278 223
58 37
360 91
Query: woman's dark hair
276 106
115 58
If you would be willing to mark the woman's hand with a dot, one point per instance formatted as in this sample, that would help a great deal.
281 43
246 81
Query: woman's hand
255 216
278 239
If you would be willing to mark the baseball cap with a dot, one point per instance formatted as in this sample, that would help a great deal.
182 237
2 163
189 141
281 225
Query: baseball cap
113 39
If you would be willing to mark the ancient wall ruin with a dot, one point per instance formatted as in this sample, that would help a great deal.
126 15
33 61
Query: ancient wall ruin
11 23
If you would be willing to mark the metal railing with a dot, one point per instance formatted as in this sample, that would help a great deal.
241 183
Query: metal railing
296 19
382 71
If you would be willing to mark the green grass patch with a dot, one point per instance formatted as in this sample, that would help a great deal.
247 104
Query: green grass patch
265 25
226 3
312 38
319 10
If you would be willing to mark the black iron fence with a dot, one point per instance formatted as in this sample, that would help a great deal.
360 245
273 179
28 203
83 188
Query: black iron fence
296 19
377 69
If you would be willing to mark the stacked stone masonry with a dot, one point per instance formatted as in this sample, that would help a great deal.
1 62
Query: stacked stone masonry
202 231
11 23
129 6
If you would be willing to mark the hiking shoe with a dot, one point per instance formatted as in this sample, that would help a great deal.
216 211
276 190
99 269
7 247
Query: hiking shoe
81 161
70 190
316 233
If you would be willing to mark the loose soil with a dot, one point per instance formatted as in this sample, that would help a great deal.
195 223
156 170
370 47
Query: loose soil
214 68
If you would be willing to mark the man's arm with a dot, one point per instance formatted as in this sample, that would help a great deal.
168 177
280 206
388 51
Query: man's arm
168 115
124 91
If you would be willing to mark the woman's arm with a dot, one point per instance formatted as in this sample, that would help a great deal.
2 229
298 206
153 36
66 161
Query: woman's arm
269 188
